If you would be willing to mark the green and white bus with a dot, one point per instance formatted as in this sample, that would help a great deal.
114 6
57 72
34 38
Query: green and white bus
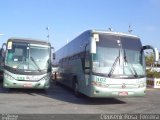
103 64
27 64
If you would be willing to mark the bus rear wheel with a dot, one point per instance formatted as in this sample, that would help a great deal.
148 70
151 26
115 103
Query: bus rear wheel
76 89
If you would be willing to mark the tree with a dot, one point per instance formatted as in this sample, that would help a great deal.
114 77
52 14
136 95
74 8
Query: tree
150 60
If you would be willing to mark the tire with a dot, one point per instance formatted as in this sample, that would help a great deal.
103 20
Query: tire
55 78
76 89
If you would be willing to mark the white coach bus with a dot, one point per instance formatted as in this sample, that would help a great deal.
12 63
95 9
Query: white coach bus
103 64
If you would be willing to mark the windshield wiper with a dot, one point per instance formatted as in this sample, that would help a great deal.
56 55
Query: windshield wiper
132 69
35 64
113 66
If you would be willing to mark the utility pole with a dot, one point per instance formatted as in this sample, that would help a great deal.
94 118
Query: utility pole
130 30
48 36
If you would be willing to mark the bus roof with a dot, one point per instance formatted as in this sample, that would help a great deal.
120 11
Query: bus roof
77 44
112 33
29 40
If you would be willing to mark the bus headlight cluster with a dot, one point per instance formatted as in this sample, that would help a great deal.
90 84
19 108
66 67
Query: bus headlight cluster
7 76
141 85
99 84
46 78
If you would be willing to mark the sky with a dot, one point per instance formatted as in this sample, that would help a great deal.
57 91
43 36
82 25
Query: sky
67 19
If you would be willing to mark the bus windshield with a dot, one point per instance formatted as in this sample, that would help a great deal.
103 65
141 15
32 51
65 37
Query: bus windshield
39 58
114 59
27 57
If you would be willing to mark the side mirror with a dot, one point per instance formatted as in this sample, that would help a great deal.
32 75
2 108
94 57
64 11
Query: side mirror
94 39
156 55
3 50
155 51
54 56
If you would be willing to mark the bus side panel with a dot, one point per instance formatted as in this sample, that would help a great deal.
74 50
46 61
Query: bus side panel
69 61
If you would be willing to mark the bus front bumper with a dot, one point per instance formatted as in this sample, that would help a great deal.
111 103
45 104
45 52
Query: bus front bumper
113 93
41 84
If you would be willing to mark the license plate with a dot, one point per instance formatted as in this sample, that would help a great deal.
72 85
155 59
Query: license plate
123 93
27 85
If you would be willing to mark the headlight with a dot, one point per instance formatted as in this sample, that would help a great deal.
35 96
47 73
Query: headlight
141 85
99 84
45 78
7 76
